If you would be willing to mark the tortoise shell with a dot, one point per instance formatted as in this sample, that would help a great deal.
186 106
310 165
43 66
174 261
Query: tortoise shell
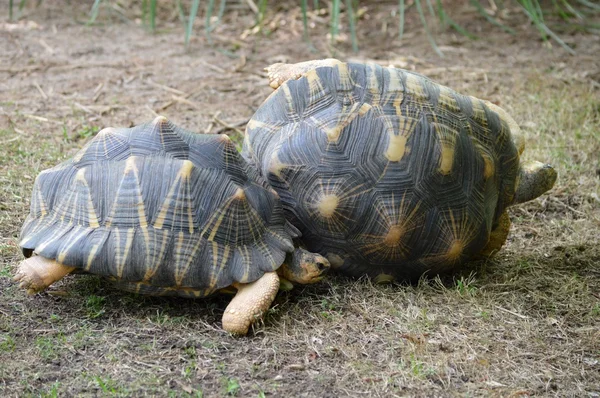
161 209
384 171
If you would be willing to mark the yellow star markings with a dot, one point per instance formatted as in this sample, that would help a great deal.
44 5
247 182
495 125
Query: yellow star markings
396 222
447 141
456 234
329 203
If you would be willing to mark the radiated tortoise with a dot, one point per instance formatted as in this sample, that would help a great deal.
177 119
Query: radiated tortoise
163 211
386 172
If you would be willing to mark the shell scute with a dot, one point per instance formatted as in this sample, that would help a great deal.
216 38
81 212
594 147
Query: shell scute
160 206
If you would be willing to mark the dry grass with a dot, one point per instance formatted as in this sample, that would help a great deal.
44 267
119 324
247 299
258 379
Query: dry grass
525 324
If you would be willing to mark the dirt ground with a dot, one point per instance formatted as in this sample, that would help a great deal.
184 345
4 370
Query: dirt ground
524 324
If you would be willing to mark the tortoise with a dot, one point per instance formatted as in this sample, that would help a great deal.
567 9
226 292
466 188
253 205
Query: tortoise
387 173
164 211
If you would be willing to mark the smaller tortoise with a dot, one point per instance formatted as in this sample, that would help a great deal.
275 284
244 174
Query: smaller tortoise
163 211
386 172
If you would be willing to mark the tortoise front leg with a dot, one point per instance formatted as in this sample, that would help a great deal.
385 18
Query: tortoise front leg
37 273
250 303
279 73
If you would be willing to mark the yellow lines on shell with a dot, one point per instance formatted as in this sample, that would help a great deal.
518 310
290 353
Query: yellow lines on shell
289 99
183 181
122 251
373 84
91 257
184 256
275 165
447 101
414 86
457 235
479 114
344 117
447 140
153 261
73 240
395 88
395 222
131 167
39 202
315 86
220 260
397 142
345 80
90 210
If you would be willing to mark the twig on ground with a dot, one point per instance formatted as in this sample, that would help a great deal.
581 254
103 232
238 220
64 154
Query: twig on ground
166 88
186 101
212 123
228 126
232 126
512 312
41 119
40 90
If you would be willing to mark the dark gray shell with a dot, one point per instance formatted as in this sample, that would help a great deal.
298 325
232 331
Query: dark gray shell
159 206
383 170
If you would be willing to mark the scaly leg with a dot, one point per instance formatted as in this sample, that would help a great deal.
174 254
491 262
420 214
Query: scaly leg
37 273
250 303
279 73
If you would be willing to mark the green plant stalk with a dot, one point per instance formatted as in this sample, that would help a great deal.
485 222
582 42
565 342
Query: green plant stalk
304 6
424 22
447 20
351 18
401 19
153 15
190 24
590 4
209 11
491 19
543 28
94 12
335 19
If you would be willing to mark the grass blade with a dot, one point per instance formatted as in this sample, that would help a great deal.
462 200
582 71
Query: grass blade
424 22
590 4
351 18
304 6
316 4
10 10
401 19
209 11
190 24
532 13
94 12
490 18
152 15
447 20
335 19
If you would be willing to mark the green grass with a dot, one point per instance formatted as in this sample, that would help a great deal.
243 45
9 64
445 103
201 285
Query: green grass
573 13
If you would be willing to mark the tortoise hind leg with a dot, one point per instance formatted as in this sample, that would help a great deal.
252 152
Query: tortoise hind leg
497 236
279 73
250 303
37 273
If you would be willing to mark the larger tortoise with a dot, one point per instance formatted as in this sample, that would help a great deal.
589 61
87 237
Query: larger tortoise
386 172
163 211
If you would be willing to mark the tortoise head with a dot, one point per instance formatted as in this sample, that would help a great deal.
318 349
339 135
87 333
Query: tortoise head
304 267
533 178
